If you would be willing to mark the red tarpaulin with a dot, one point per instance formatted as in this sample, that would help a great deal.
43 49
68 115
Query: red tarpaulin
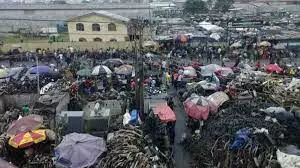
195 111
273 68
164 112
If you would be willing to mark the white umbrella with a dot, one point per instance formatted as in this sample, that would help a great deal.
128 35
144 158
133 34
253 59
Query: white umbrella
236 45
101 69
215 36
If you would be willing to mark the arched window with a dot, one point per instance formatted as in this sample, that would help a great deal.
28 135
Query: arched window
95 27
113 40
112 27
97 39
82 40
79 27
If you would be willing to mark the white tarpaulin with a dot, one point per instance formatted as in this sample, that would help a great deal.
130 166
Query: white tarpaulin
210 27
288 160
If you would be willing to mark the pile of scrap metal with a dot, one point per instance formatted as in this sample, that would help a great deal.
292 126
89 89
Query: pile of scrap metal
60 85
9 116
282 92
244 135
130 148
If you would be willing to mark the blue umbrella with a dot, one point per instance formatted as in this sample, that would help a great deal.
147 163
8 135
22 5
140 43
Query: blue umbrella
39 69
79 150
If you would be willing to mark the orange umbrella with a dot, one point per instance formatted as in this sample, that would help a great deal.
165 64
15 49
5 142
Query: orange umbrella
26 139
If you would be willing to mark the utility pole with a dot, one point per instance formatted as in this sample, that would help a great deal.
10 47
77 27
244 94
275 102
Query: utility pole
138 26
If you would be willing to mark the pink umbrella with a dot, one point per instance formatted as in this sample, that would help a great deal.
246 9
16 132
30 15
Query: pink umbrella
196 111
273 68
25 124
165 113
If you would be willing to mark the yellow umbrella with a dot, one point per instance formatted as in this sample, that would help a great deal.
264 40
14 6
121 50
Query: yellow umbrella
26 139
3 73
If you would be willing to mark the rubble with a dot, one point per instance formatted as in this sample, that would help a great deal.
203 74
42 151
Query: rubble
129 147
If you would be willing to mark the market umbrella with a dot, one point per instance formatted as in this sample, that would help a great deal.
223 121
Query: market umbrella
79 150
195 111
182 38
27 139
209 69
215 36
273 68
236 45
164 113
149 44
5 164
101 69
3 73
25 124
264 44
124 70
39 69
113 62
84 72
189 71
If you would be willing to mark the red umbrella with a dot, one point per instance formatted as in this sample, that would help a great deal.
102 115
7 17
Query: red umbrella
196 111
273 68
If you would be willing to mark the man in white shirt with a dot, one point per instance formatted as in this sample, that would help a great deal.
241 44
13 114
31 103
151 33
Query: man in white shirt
164 65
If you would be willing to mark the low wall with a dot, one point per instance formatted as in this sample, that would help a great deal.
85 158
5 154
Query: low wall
17 101
79 45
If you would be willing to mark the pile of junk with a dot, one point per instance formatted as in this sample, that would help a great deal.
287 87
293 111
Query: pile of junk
254 122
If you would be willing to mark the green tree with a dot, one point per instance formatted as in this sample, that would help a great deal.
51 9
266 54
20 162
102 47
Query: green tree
195 6
223 5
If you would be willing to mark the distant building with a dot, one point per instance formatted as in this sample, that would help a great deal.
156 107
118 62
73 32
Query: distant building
98 26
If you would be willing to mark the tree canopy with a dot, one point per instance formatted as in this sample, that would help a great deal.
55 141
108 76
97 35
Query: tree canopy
223 5
195 6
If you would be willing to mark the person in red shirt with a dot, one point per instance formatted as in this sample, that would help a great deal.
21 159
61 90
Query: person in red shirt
257 65
174 79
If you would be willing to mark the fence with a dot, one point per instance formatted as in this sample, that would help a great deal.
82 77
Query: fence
76 45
